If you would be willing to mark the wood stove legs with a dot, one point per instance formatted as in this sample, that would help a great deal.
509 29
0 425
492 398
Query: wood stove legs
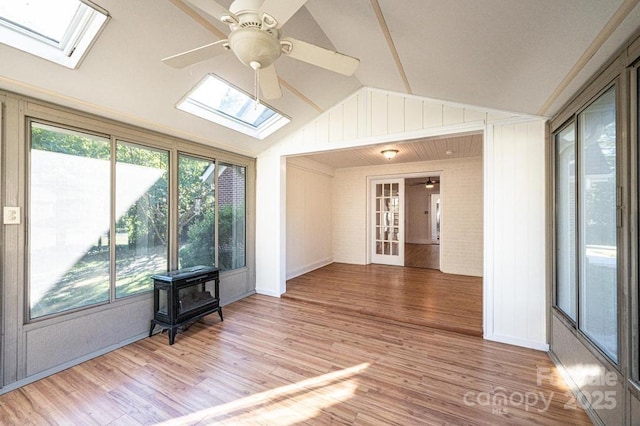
173 329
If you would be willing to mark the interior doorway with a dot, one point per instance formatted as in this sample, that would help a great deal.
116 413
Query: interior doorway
387 212
422 221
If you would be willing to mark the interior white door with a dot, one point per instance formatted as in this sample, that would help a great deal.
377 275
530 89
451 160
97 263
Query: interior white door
387 221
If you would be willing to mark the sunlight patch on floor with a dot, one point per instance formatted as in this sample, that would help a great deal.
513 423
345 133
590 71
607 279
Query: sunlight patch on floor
284 405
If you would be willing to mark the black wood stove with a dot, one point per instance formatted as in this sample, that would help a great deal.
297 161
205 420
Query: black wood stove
181 297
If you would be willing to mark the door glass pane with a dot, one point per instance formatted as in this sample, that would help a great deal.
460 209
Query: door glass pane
598 256
566 221
231 217
141 217
69 215
196 214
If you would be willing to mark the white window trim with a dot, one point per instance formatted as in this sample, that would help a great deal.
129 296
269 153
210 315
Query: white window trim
71 50
274 123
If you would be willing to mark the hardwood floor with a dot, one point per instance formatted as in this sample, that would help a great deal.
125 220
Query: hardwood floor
422 255
282 362
410 295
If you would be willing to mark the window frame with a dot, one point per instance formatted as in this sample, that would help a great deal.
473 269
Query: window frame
573 121
85 27
115 142
27 299
145 140
212 114
616 85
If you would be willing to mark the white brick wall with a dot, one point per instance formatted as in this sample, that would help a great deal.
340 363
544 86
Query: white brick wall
462 207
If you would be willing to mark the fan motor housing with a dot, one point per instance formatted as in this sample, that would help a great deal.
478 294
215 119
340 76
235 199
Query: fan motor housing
254 45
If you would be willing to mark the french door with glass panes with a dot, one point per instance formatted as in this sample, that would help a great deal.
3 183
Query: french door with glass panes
387 221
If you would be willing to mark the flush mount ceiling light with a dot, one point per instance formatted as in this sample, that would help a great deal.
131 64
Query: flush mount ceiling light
429 183
389 153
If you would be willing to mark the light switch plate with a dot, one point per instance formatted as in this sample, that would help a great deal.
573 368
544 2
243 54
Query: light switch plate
11 215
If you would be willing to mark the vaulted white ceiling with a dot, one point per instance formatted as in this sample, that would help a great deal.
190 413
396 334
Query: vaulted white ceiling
519 55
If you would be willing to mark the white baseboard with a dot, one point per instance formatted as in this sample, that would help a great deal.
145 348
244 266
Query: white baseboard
296 272
267 292
517 341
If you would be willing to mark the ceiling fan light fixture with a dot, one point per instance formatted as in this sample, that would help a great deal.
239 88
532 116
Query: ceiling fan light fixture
429 184
253 45
389 153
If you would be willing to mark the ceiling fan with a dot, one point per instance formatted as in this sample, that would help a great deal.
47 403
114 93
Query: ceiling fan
430 183
256 39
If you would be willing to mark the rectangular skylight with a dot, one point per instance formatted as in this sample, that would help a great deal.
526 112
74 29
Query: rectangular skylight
218 101
60 31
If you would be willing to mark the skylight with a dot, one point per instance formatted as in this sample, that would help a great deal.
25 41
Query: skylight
60 31
216 100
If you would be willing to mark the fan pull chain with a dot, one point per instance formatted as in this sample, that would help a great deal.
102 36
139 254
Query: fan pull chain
256 88
256 82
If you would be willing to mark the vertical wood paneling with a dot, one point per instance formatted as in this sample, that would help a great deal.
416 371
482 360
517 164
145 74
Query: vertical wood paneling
309 135
351 118
396 114
336 124
452 115
432 115
379 114
270 232
493 116
513 211
413 114
322 130
518 244
471 115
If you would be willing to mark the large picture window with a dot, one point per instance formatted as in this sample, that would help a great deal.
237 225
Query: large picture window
100 217
196 212
69 220
586 228
231 221
142 217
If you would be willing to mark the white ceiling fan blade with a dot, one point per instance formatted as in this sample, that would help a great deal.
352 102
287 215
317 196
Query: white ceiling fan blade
280 10
269 82
196 55
212 8
321 57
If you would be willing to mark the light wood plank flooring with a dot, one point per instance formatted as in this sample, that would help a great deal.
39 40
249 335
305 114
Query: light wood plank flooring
282 362
410 295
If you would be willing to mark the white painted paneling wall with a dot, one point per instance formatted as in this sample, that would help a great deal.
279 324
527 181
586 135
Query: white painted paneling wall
309 216
515 310
270 220
514 267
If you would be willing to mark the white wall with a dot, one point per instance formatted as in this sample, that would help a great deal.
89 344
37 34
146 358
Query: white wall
514 270
461 227
515 300
309 216
271 173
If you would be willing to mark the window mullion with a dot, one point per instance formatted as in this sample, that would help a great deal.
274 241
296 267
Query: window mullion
112 224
